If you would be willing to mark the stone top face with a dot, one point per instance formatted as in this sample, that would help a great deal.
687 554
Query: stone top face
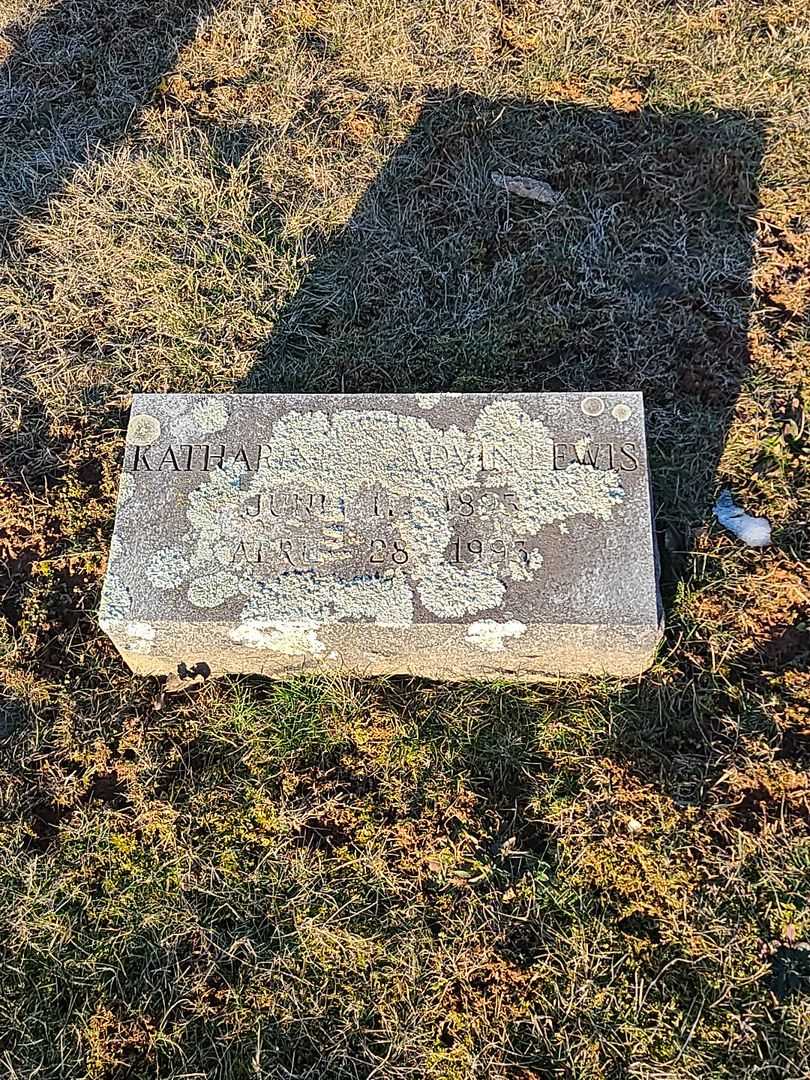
393 510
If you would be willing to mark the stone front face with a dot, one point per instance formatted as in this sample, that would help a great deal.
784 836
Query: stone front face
445 535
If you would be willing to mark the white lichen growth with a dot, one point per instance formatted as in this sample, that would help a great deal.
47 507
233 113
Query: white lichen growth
168 568
212 590
592 406
204 418
384 601
523 568
143 430
115 602
449 591
140 637
489 635
209 416
126 487
547 495
291 639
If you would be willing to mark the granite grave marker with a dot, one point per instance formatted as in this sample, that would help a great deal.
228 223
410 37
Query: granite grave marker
444 535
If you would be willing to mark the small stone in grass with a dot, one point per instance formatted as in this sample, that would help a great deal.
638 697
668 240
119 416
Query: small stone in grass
527 187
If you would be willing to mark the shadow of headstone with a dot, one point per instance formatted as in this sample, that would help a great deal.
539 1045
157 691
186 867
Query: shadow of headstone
72 84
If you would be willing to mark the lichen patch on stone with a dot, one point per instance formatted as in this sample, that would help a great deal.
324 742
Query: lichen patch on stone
451 592
116 602
547 494
289 638
213 589
167 569
140 637
143 430
125 488
489 635
210 416
204 418
592 406
384 601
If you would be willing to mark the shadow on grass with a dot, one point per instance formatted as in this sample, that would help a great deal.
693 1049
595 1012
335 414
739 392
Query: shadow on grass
638 276
73 83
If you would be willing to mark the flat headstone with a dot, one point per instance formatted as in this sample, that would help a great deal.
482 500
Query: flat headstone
450 536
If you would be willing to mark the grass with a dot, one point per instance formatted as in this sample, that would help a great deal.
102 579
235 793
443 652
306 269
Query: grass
392 878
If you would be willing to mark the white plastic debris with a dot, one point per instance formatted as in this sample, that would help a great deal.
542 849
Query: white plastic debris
754 531
527 187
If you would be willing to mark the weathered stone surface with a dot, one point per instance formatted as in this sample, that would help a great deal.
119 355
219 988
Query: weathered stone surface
444 535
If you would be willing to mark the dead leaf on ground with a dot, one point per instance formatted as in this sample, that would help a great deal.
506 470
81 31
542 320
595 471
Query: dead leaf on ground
568 91
176 86
626 99
514 37
527 187
359 128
